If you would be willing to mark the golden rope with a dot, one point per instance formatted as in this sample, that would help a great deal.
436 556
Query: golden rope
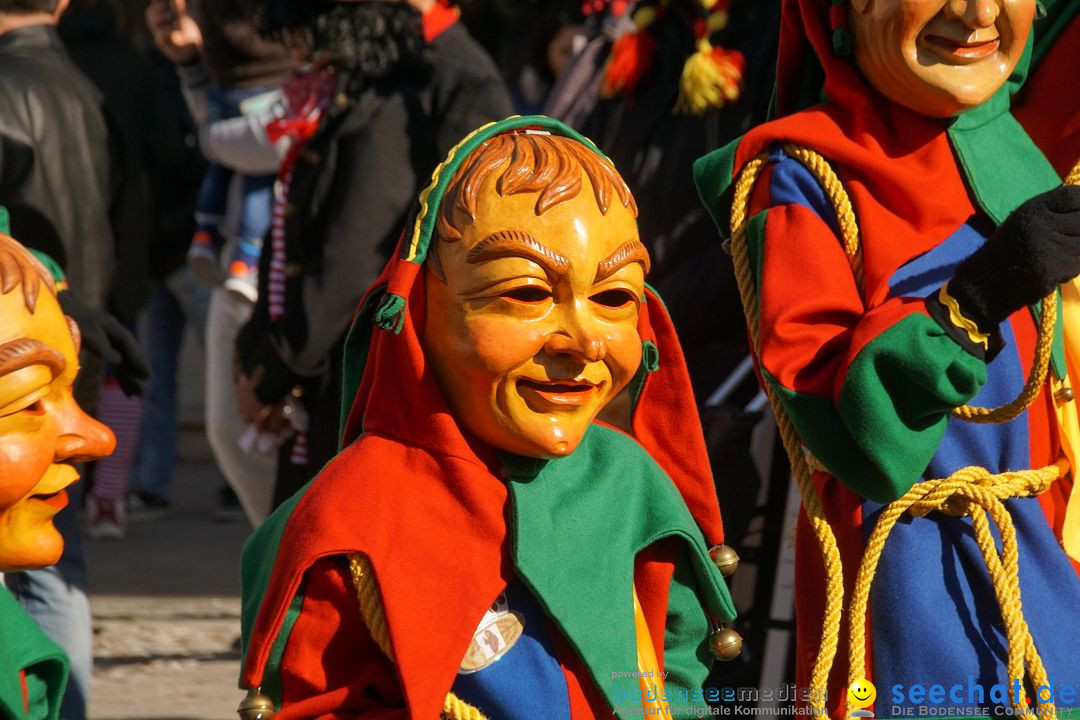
1043 347
845 214
971 491
371 610
976 492
815 513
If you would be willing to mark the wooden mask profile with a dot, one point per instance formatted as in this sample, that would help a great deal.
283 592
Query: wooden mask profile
43 431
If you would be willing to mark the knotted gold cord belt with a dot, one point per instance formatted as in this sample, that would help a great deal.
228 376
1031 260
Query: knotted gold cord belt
970 491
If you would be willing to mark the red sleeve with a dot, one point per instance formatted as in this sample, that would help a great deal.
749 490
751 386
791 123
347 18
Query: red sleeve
653 570
331 667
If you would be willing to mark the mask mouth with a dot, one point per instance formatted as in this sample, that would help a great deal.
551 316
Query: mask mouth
51 488
964 47
564 393
57 500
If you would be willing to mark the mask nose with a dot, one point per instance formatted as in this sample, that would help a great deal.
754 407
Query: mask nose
584 349
577 337
82 438
976 14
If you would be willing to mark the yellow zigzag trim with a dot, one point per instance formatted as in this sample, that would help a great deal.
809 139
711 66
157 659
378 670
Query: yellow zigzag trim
957 318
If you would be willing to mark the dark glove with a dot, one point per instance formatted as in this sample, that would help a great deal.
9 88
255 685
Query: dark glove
1036 249
103 335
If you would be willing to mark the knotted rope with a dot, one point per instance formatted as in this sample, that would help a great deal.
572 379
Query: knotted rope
971 491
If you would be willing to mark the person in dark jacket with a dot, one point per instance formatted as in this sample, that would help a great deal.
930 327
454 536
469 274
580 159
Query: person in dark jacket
62 177
355 159
466 89
397 105
627 96
218 44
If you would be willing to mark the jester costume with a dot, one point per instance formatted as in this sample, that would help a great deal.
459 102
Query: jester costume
508 581
869 379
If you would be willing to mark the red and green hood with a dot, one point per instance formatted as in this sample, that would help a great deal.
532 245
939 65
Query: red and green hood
911 178
447 520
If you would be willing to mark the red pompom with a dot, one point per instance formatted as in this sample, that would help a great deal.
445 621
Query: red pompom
631 56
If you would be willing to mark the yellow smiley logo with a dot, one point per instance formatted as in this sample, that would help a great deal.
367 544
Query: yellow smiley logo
862 693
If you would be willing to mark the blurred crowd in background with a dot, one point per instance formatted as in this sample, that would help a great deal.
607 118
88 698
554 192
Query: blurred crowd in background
238 171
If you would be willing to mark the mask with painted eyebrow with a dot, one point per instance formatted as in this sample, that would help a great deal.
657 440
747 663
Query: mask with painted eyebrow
23 352
633 251
43 432
504 243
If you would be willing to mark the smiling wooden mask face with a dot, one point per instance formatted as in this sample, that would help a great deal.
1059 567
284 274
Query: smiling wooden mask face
534 328
43 432
939 57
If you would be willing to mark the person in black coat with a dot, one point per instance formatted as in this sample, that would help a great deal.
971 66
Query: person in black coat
466 89
347 188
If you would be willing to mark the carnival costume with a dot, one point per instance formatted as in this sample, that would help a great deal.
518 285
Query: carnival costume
437 532
849 220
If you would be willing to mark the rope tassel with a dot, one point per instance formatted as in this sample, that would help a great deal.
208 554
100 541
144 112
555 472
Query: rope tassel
631 57
711 79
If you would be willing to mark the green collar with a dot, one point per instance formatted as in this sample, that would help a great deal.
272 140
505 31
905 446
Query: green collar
1002 165
577 524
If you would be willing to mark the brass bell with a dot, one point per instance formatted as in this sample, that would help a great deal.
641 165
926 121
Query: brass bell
725 558
256 706
725 644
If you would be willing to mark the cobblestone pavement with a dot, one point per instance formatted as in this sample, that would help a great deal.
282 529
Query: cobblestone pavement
166 604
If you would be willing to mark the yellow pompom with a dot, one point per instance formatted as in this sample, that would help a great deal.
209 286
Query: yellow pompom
711 78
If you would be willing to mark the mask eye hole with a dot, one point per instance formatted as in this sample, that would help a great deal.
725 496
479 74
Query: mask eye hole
530 295
614 298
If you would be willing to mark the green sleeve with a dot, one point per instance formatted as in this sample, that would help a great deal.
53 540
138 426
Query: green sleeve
892 409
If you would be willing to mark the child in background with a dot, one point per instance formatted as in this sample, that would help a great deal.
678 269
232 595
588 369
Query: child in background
240 264
242 75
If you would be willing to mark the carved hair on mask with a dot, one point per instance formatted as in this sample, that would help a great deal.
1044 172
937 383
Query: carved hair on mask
19 267
548 165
